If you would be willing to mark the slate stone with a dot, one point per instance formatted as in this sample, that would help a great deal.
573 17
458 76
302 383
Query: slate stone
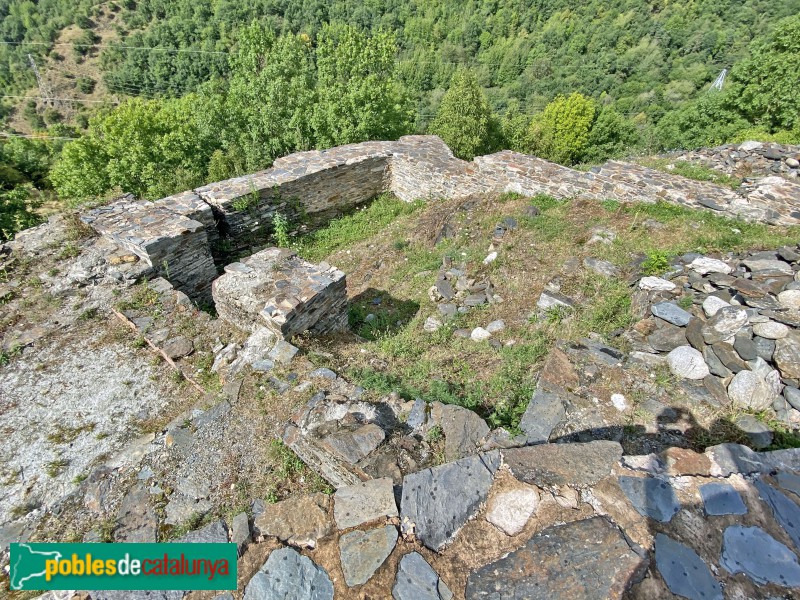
717 388
758 434
789 481
299 521
213 533
288 575
752 551
323 373
462 430
685 573
671 313
283 352
749 289
353 445
651 497
549 300
416 580
728 357
418 414
136 520
694 334
792 396
786 512
715 364
724 324
448 310
787 355
445 289
563 464
667 338
745 347
588 559
240 531
767 267
601 267
363 552
439 500
544 412
178 347
764 348
721 498
363 502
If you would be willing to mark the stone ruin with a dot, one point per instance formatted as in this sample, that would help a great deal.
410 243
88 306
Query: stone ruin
278 290
548 512
179 237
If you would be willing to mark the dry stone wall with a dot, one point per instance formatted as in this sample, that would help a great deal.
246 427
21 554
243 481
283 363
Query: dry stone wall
749 159
177 235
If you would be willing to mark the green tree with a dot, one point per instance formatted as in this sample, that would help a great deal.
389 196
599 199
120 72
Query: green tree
267 110
16 211
150 148
463 118
611 136
769 95
561 132
358 95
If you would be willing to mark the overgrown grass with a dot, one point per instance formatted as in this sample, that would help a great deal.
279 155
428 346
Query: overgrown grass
360 225
691 171
703 231
143 298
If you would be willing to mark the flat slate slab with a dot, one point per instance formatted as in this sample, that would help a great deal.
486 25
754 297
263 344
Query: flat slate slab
685 573
587 559
213 533
671 313
364 502
752 551
651 497
363 552
545 411
438 501
789 481
563 464
721 499
288 575
416 580
786 512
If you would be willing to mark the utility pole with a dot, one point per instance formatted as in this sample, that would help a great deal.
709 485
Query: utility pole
719 81
44 88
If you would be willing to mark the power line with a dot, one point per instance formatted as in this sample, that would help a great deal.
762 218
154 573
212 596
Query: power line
121 47
34 136
62 99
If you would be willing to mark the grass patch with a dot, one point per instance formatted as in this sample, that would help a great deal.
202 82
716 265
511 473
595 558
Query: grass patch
55 467
345 231
692 171
64 434
143 298
703 231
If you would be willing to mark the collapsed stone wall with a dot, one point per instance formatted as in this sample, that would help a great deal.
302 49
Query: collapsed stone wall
750 159
176 235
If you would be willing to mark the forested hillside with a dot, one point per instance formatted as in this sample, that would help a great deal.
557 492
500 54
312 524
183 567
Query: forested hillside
166 94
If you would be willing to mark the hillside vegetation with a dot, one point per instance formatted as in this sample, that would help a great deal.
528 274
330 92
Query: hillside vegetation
156 96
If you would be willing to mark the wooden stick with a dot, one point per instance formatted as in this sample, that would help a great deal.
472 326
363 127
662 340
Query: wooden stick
168 360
